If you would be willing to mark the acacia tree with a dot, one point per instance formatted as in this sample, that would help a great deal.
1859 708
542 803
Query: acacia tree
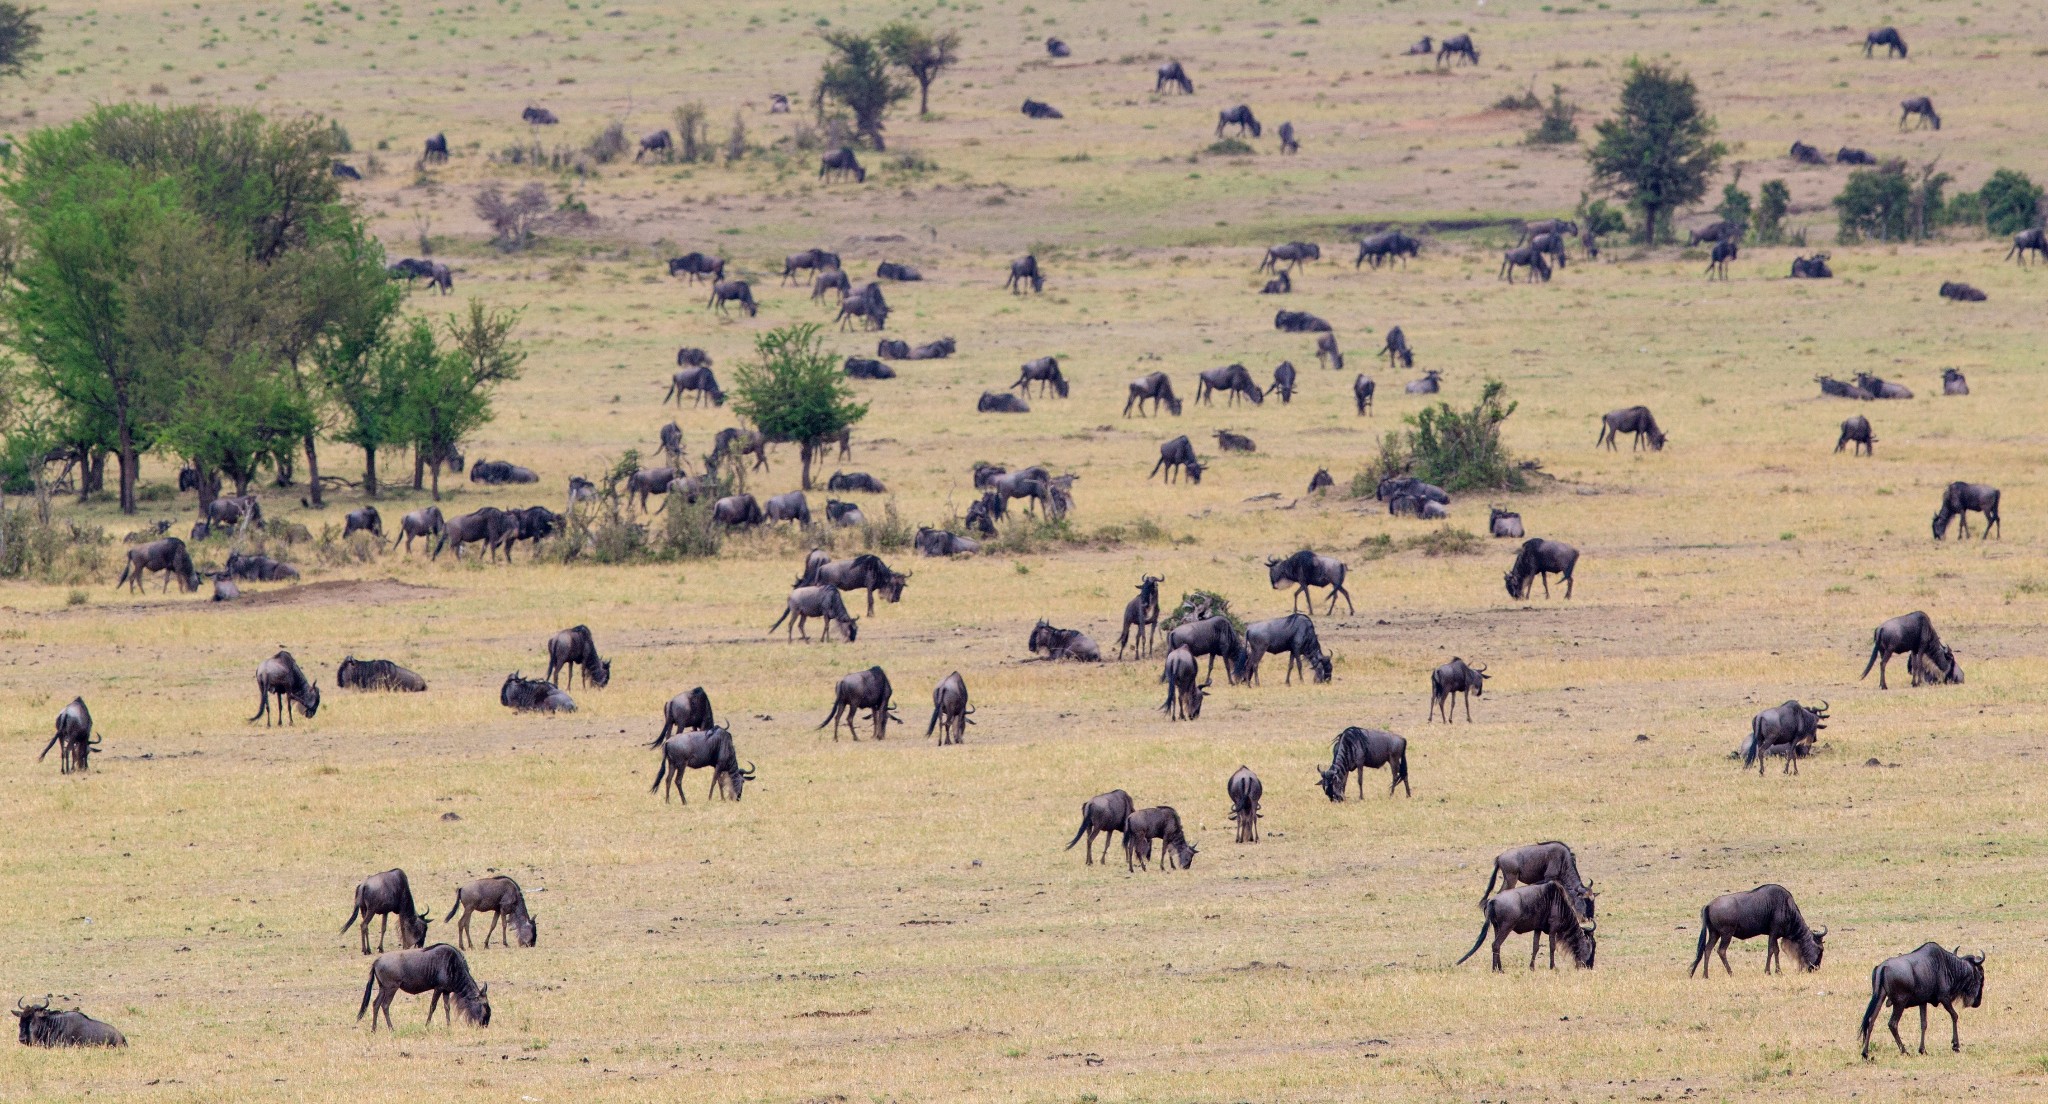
793 390
1658 151
856 76
920 52
19 35
447 392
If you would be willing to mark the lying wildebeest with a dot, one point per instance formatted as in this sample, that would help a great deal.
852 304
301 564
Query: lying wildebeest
863 572
831 279
697 266
1174 74
950 709
1245 792
1357 750
1024 269
74 740
1213 637
1362 390
436 152
1832 386
1503 523
1551 246
1450 680
860 690
259 568
1037 110
658 142
1930 975
2031 240
575 647
1959 499
685 712
1537 863
867 306
534 696
168 556
778 104
377 674
439 969
1718 231
42 1026
1920 108
1717 264
1812 268
1281 284
1638 422
1158 823
1175 456
806 602
701 748
1399 486
868 369
1792 727
1385 246
1104 814
1399 355
1856 428
1292 255
1234 442
1807 155
1156 388
1288 321
1321 480
1062 643
1327 353
1283 381
1057 48
1526 256
1850 155
500 472
1045 372
1183 694
382 896
1458 46
993 402
737 510
1880 389
224 588
1294 634
536 116
792 506
364 520
982 514
733 291
939 542
1953 383
1543 909
855 481
1288 142
930 350
504 900
1541 558
1426 46
1767 910
281 677
810 260
1887 37
842 162
700 382
890 270
345 171
1141 613
1306 569
1912 634
1961 293
1232 378
1405 505
846 515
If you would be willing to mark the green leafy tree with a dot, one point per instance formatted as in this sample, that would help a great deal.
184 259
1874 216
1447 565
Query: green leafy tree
1875 203
856 76
2011 202
921 53
19 36
793 390
440 403
1773 201
1735 205
364 368
1458 450
1559 126
1600 219
1658 151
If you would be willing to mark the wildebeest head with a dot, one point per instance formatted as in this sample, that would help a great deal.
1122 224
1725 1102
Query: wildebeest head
30 1015
413 925
1333 782
735 780
1972 989
1185 853
1194 702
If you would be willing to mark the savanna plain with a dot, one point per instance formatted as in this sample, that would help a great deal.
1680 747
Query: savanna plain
898 921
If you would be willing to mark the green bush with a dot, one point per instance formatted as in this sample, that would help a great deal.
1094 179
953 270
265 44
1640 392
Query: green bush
1462 451
1197 605
61 552
1876 203
2010 201
1735 205
1230 147
1599 217
1559 126
887 535
688 531
1773 200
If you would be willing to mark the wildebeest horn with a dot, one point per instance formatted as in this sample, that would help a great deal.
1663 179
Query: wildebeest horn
1822 933
1270 561
1823 707
748 774
1592 926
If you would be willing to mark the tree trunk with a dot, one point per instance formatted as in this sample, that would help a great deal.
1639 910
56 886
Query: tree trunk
804 451
242 484
128 462
209 488
369 470
313 472
98 472
419 470
1649 225
437 481
924 95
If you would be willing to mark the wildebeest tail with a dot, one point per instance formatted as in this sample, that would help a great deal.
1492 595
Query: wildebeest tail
1753 748
368 983
454 908
1488 891
1401 775
1700 953
785 613
659 774
1870 1013
1874 645
1485 922
1081 831
124 573
355 911
933 726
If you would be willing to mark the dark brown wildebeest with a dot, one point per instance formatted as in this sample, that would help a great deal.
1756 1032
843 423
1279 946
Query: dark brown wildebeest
502 898
950 712
364 520
436 152
1789 728
167 555
1327 353
806 602
1245 792
1424 47
1405 486
1383 247
684 712
1850 155
1294 634
855 481
1503 523
868 368
698 380
1767 910
1399 355
1035 109
1537 227
732 291
2031 240
421 523
1174 74
1288 321
1717 231
527 695
1536 863
1638 422
1931 974
658 143
1305 569
939 542
842 162
42 1026
1288 143
1024 270
1541 558
1407 505
1960 292
1450 680
1431 383
1291 255
1953 383
1357 750
1551 246
575 647
651 482
1362 390
534 116
1920 108
1057 48
381 896
1233 378
281 677
1458 46
1812 268
1806 155
734 443
1281 284
1141 614
73 739
499 472
890 270
697 266
241 565
1234 442
810 260
737 510
863 572
1001 402
1283 381
377 674
792 506
1887 37
1104 814
1156 388
1157 823
1212 636
1856 428
1045 372
1836 388
1717 265
867 306
1543 909
1321 481
846 515
1525 256
704 748
860 690
439 969
234 510
1183 695
1959 499
1175 456
1062 643
930 350
892 349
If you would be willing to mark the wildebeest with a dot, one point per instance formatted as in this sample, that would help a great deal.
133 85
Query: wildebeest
1294 634
1406 505
234 510
1385 246
421 523
1399 355
1719 230
1953 383
530 524
846 515
806 602
735 443
939 542
810 260
1931 974
950 709
1288 143
1183 694
1158 823
345 171
382 896
1424 47
1212 636
1321 481
1245 792
684 712
499 472
1541 558
868 369
1791 726
1812 268
890 270
1450 680
670 440
1638 422
842 162
1920 108
2031 240
439 969
1807 155
1280 284
1767 910
1037 110
281 677
1240 117
1458 46
1291 255
42 1026
831 279
732 291
534 696
1912 634
1832 386
1057 48
1958 500
697 265
1887 37
1141 614
363 520
73 738
1717 264
1961 292
855 481
1234 442
537 116
1283 381
1156 388
1407 486
377 674
1503 523
778 104
737 510
1104 814
1850 155
1022 270
709 747
1001 402
860 690
1062 643
1357 750
1174 457
1288 321
792 506
1856 429
1327 353
1543 909
1045 372
1306 569
1526 256
1536 863
867 306
170 557
575 647
241 565
863 572
1232 378
505 901
1362 390
930 350
1551 246
1174 74
436 152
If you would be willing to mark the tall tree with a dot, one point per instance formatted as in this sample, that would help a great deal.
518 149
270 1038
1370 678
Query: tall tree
1658 151
440 402
19 36
363 369
856 76
920 52
793 390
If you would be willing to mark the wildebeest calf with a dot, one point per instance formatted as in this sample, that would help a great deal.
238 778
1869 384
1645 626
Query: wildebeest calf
1158 823
502 898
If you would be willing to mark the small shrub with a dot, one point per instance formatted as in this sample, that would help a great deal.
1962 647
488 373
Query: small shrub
61 552
1230 147
1447 541
887 535
155 492
1462 450
607 145
1773 201
513 219
1197 605
1735 205
1599 217
1875 203
736 139
2010 201
1559 126
1526 100
913 164
688 531
693 139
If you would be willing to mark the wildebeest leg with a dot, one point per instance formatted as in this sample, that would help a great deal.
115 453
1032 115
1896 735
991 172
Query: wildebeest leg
495 917
1500 936
1923 1029
433 1003
1336 589
385 994
1898 1012
383 925
462 937
1545 575
1955 1030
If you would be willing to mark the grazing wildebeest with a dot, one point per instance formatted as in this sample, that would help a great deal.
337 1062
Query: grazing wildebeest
441 277
1543 909
950 710
281 677
1240 117
41 1026
685 712
1792 727
500 472
364 520
1399 355
1234 442
1177 455
732 291
234 510
1156 388
1142 614
697 266
1717 231
1104 814
1357 750
1288 143
737 510
1526 256
1362 390
260 568
1767 910
806 602
855 481
527 695
1245 792
1280 284
1541 558
866 306
168 556
1288 321
2031 240
1638 422
439 969
1037 110
709 747
537 116
1057 48
1306 569
1717 265
502 898
1458 46
381 896
1385 246
1920 108
1832 386
1294 634
1850 155
868 369
1327 353
831 279
1283 381
1550 245
1536 863
575 647
1806 155
1931 974
1953 383
863 572
734 442
1062 643
1503 523
1961 292
74 740
1959 499
1024 269
377 674
1233 378
670 439
1045 372
1912 633
939 542
1320 481
437 150
1183 695
842 162
890 270
1887 37
1812 268
407 269
1292 255
1174 74
810 260
1856 428
792 506
994 402
1450 680
1211 636
860 690
1158 823
658 142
